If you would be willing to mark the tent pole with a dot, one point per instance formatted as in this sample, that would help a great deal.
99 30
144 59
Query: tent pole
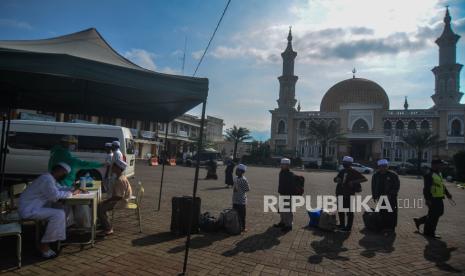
163 166
4 145
194 192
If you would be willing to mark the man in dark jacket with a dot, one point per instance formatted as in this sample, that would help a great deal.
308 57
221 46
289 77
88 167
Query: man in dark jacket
286 188
386 183
228 173
348 183
434 192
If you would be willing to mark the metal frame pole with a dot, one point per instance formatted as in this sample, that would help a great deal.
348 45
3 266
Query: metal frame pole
194 192
4 147
163 166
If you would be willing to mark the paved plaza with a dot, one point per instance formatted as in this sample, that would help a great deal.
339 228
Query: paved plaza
263 250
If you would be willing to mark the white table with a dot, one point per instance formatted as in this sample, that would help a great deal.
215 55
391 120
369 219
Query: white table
88 199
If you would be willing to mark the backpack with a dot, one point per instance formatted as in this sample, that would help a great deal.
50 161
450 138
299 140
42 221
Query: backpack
314 216
208 223
229 219
327 221
299 182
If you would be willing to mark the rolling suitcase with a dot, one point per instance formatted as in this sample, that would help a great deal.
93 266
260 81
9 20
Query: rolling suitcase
181 213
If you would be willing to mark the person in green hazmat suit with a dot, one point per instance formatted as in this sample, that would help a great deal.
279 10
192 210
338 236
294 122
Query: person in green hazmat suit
62 153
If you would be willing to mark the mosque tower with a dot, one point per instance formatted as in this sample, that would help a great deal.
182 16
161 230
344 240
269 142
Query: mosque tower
447 73
287 80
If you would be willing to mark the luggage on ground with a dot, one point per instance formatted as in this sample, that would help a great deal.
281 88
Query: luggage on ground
181 214
327 220
314 216
372 221
229 219
299 184
208 223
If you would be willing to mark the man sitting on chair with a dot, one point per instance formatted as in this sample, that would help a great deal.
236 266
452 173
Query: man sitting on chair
120 194
35 203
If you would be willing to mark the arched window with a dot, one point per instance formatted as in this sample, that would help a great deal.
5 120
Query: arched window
387 128
456 128
360 126
412 126
399 128
424 125
281 127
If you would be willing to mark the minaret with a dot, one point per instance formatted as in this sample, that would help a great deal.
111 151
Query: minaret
405 103
287 81
447 74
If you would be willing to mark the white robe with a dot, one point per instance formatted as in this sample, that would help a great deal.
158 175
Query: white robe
35 201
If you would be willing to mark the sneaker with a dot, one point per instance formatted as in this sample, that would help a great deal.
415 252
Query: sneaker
417 224
279 225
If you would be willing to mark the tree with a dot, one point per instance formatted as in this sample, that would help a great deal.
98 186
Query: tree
421 140
237 135
324 133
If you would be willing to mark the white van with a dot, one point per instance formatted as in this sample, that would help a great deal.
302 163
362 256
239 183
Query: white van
29 145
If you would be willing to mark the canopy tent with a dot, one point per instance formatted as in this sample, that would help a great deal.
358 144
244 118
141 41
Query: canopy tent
81 74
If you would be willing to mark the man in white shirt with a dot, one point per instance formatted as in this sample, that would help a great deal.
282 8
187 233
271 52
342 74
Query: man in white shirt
115 148
35 202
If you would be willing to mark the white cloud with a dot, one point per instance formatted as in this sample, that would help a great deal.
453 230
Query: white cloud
142 58
197 54
11 23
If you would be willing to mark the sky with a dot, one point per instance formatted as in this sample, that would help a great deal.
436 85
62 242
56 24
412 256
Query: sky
389 42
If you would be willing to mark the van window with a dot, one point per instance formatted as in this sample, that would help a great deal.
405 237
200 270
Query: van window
129 146
46 141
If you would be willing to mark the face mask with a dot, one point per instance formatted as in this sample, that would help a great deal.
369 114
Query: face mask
72 147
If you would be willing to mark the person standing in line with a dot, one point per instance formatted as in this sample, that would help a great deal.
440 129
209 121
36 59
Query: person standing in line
228 173
286 188
434 192
386 183
239 199
348 183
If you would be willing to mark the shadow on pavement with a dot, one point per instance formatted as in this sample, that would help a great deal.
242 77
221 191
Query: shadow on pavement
437 251
329 247
155 239
376 242
262 241
200 241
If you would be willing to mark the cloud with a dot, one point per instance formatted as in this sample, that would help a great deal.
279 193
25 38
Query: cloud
197 54
11 23
142 58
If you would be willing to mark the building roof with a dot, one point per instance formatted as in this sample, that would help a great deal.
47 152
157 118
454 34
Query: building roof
354 91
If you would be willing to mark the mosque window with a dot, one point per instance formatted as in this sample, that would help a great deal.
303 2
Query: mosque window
456 128
424 125
399 128
412 126
387 128
281 127
360 126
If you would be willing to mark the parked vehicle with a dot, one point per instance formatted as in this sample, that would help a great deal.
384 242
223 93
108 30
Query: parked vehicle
205 157
359 167
29 145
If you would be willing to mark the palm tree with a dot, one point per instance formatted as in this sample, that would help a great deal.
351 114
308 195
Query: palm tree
324 133
237 135
421 140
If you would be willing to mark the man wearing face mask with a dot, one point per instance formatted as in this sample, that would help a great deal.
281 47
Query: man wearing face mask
62 153
34 203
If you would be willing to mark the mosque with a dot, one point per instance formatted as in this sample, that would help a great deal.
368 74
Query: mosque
360 107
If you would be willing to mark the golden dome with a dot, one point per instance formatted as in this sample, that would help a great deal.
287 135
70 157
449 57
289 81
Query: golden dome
355 90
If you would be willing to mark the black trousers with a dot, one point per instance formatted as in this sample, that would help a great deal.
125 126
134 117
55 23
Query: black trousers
342 215
240 208
389 219
435 211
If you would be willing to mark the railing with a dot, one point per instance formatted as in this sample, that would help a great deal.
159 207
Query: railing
412 112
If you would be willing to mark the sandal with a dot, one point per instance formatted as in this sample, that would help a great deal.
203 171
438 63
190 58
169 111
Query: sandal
49 254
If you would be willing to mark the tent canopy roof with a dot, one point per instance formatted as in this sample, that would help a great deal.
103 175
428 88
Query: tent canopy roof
80 73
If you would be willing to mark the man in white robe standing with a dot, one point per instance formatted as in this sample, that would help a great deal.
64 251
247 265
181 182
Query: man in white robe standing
35 202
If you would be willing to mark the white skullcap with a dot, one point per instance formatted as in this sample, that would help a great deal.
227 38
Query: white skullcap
121 164
116 143
285 161
242 167
107 145
65 166
348 159
383 162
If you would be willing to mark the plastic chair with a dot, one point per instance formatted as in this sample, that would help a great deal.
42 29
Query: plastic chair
13 229
134 204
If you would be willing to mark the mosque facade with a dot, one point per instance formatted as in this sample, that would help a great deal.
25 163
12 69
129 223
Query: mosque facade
360 108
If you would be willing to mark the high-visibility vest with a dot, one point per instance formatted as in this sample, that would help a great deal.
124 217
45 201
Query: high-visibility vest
437 189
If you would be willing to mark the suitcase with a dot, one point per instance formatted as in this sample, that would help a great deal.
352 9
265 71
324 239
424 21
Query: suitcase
314 216
208 223
327 221
372 221
181 213
229 219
